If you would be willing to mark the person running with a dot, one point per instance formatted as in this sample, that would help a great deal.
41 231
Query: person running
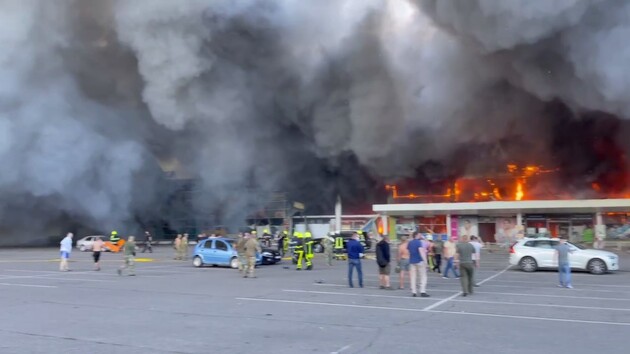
464 257
449 255
417 257
564 267
383 261
403 262
355 252
65 248
97 248
129 250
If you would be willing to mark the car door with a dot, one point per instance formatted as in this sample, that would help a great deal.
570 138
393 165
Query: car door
577 258
222 252
545 253
206 251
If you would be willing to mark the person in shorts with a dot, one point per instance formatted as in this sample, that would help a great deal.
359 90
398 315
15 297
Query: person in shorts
383 260
97 248
65 248
403 262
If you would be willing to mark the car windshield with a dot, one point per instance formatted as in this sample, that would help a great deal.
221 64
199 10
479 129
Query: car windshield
577 245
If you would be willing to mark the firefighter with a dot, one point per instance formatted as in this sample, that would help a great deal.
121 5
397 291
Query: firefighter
299 249
114 238
308 250
339 247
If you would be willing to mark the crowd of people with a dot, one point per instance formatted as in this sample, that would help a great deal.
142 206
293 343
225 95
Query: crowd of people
415 256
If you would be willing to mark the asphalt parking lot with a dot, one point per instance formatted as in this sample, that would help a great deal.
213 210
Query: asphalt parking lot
171 307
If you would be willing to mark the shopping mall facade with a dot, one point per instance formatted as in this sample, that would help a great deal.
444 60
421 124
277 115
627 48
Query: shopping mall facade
503 222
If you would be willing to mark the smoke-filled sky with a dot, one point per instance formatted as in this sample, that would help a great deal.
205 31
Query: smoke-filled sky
312 97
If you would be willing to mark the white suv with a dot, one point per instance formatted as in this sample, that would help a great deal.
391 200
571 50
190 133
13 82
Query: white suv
533 253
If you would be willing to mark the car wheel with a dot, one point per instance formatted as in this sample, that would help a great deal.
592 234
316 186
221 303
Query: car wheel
197 262
82 248
597 266
318 248
234 263
528 264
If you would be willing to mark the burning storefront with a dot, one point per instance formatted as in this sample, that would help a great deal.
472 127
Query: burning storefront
500 207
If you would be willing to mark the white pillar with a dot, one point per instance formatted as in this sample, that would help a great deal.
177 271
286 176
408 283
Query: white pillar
384 224
600 231
519 219
448 225
338 214
598 218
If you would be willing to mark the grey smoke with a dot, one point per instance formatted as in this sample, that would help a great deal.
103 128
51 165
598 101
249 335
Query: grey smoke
311 97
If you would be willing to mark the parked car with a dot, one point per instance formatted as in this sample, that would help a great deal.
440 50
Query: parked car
270 256
85 244
533 254
218 252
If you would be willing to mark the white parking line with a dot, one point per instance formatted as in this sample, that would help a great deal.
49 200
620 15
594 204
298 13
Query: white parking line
435 311
520 304
431 307
580 284
532 318
548 286
357 295
342 349
555 296
29 285
376 287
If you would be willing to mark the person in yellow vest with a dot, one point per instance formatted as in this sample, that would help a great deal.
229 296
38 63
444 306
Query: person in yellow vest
339 252
299 249
308 250
114 238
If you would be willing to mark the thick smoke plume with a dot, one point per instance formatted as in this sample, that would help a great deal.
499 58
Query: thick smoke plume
315 98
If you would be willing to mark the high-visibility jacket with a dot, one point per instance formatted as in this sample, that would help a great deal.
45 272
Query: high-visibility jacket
114 238
338 243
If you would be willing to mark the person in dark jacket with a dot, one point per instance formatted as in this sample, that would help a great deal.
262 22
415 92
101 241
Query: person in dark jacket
355 252
383 261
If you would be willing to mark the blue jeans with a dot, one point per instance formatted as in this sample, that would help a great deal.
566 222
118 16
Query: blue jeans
564 271
352 263
449 266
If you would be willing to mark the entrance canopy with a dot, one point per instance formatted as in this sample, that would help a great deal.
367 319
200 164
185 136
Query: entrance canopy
506 208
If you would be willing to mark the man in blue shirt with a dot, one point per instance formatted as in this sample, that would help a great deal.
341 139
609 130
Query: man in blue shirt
417 266
355 252
564 266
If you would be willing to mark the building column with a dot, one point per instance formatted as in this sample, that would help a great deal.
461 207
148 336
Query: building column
385 224
449 232
600 231
519 219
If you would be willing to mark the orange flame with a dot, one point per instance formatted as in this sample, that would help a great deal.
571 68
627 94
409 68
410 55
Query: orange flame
519 190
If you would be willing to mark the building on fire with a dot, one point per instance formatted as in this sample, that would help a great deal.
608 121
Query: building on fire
521 202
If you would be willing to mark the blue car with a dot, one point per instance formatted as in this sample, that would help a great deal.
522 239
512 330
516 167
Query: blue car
218 252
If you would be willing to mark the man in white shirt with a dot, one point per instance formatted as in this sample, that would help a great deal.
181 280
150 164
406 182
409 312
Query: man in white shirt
478 244
65 248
